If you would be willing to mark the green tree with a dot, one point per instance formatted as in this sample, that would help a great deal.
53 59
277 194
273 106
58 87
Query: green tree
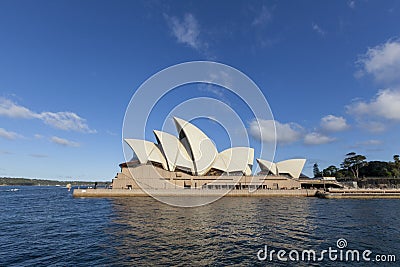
396 166
316 171
342 173
353 163
330 171
377 169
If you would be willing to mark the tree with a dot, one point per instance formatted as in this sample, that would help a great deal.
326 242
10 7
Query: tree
353 163
396 159
317 172
377 169
330 171
396 166
342 173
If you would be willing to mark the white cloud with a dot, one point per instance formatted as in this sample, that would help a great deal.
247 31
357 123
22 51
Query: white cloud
61 120
9 135
264 130
371 142
63 142
186 30
221 77
68 121
12 110
386 104
291 132
367 143
331 123
358 74
315 138
351 4
373 126
38 136
211 89
318 29
382 62
263 17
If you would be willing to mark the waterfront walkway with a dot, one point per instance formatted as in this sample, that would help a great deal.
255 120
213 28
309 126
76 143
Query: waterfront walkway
192 193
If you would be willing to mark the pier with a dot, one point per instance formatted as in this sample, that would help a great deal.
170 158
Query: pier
332 193
192 193
359 193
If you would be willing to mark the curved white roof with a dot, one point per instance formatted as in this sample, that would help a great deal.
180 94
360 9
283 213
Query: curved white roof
194 152
266 165
147 151
293 167
235 159
202 149
174 151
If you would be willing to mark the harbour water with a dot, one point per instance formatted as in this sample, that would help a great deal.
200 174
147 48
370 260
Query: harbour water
46 226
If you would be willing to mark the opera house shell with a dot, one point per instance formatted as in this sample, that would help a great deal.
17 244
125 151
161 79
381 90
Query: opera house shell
291 167
191 160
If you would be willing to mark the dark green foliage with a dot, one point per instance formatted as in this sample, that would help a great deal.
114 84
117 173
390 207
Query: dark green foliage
376 169
356 166
331 171
353 163
316 171
395 166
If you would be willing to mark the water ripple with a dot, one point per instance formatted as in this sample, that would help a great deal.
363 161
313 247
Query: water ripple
43 226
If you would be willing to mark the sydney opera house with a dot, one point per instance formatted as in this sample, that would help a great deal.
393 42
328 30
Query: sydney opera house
191 160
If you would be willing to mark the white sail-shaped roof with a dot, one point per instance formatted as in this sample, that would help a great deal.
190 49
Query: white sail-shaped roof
235 159
147 151
174 151
195 153
202 149
220 163
267 166
293 167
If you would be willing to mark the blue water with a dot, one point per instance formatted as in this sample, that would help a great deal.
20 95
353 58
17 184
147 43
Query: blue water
45 226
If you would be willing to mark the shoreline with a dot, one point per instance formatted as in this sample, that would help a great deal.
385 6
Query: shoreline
331 194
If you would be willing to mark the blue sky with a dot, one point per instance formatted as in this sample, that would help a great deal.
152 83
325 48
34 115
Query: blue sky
68 69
